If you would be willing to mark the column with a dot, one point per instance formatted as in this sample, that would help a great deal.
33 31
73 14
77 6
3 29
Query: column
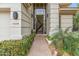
53 18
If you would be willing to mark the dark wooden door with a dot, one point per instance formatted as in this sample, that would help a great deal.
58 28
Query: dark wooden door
39 24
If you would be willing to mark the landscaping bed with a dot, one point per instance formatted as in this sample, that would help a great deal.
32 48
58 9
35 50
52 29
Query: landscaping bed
16 47
66 43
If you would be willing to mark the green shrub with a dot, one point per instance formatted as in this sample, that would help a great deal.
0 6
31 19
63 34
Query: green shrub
67 41
16 47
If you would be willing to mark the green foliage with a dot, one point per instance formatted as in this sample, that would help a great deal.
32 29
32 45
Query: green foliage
16 47
78 5
67 41
76 21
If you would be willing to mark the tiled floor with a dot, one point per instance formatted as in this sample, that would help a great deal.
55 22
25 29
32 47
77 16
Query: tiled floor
39 47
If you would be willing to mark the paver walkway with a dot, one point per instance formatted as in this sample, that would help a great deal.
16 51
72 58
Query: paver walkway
39 47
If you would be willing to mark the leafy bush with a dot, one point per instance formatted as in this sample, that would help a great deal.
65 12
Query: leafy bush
71 43
16 47
76 22
67 41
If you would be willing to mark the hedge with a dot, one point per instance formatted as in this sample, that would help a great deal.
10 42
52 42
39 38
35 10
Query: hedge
16 47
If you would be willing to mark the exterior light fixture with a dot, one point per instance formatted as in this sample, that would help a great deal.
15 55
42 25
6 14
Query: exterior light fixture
15 15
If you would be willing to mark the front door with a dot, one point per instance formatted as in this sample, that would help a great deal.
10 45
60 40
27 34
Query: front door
39 24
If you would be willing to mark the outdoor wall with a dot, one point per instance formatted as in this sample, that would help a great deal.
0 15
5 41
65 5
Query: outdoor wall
4 26
53 18
14 26
67 21
26 20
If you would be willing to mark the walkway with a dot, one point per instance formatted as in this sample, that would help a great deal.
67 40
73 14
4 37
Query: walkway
39 47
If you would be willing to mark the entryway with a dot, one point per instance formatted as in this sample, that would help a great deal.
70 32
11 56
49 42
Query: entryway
39 24
40 46
40 18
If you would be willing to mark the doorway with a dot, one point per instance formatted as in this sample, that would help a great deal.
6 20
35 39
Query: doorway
39 23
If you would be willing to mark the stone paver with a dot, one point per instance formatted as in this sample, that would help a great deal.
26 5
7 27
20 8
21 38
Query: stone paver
39 47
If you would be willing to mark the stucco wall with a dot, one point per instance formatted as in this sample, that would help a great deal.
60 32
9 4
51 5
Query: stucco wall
14 25
53 18
21 26
67 22
4 26
26 20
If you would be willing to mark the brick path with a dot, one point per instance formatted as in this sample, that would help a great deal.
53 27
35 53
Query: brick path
39 47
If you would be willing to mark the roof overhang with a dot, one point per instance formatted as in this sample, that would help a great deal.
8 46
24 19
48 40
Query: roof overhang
4 10
68 11
64 5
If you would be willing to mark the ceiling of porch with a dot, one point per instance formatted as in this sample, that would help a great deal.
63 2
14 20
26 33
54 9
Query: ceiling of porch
39 5
43 5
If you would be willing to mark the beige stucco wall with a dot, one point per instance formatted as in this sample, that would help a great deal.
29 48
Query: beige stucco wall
4 26
21 26
14 26
66 22
53 18
17 27
26 20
